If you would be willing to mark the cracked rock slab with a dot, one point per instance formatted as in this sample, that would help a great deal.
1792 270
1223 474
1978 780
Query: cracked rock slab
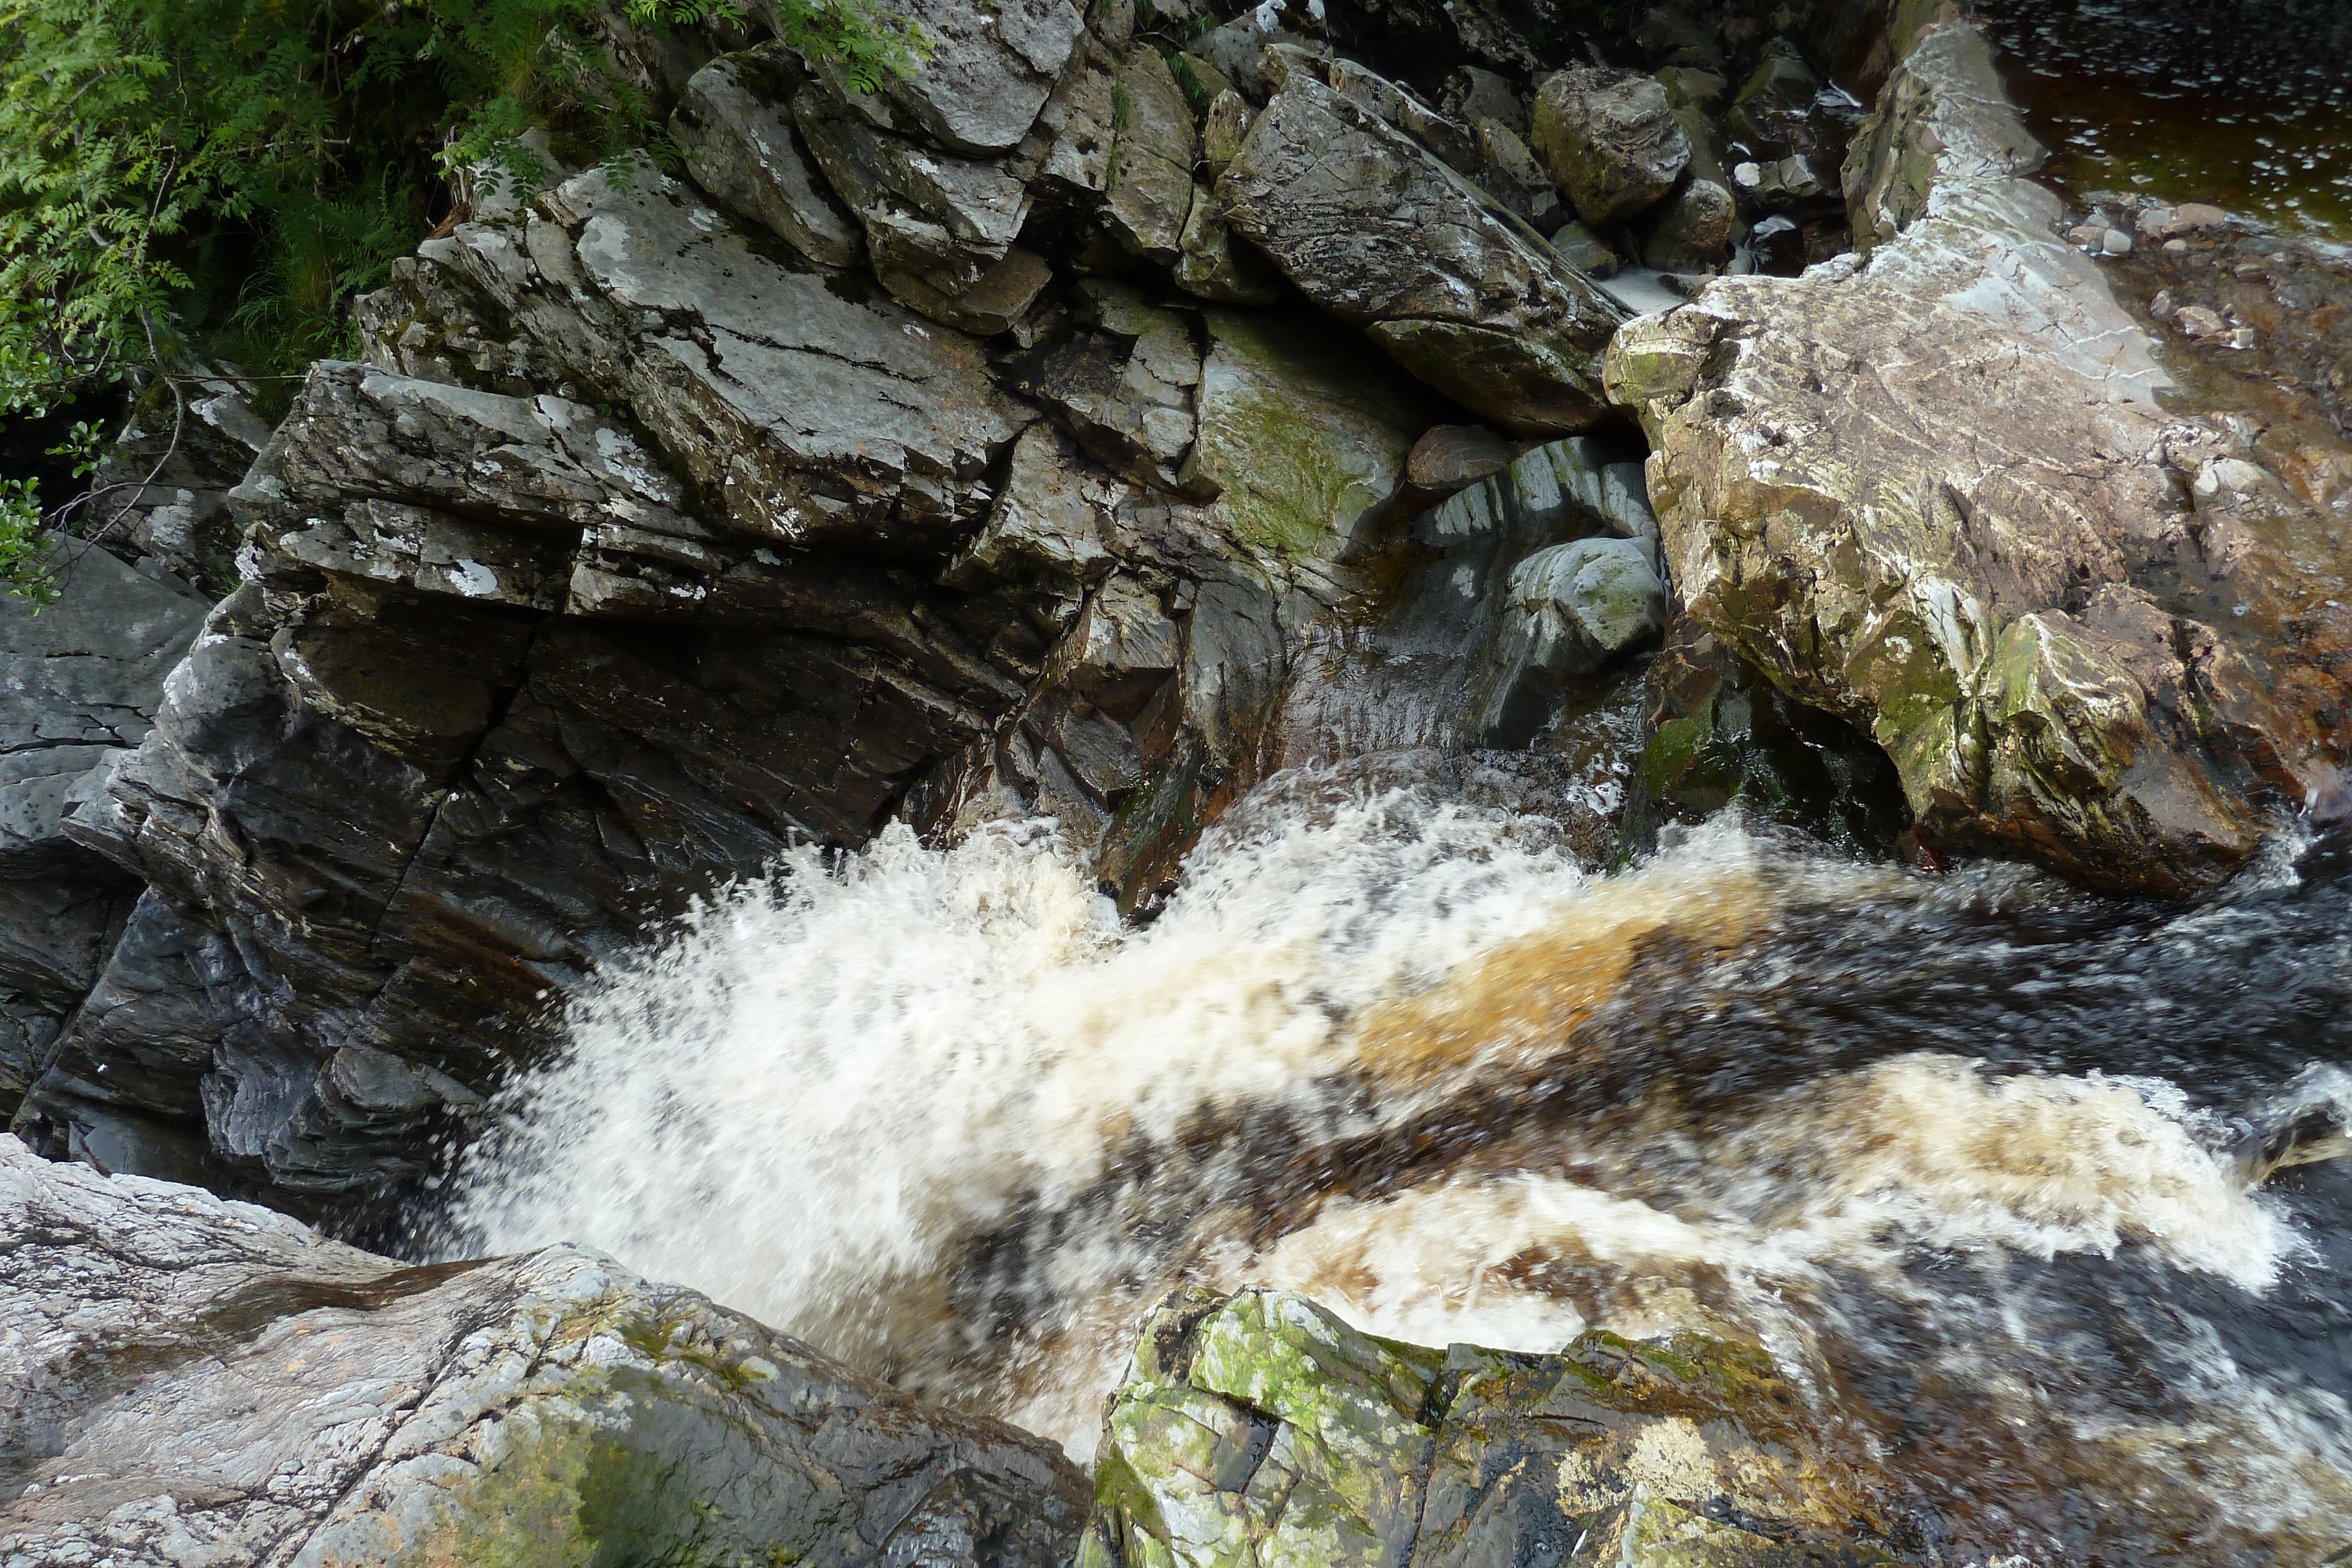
211 1385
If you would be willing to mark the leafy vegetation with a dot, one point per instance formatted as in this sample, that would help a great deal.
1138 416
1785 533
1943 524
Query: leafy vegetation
182 179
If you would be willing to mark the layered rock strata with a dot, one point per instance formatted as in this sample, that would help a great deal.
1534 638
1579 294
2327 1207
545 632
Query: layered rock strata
999 443
652 536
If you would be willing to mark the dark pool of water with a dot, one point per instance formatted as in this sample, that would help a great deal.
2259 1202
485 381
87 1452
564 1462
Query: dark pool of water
2244 103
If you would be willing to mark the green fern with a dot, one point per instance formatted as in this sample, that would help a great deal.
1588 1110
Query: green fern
184 178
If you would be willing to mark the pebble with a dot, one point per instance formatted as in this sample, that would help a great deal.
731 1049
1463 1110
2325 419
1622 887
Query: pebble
2163 305
2199 321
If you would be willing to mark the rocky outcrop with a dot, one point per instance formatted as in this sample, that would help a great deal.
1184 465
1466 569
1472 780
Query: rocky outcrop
642 546
1536 577
80 685
997 443
1931 491
206 1385
1259 1427
160 490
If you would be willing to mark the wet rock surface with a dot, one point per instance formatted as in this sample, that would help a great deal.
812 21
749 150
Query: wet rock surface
1259 1426
200 1383
81 684
649 541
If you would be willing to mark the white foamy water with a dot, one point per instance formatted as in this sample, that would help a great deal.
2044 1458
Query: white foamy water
939 1113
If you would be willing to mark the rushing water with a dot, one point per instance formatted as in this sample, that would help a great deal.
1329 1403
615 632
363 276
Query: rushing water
1979 1156
2245 103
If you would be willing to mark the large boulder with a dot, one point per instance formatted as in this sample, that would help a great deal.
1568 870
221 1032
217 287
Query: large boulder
989 72
1932 493
1260 1428
200 1383
1611 139
1375 229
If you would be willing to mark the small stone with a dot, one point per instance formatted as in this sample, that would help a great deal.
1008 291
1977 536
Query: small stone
1691 229
2177 247
2163 305
1748 176
2199 321
2114 242
2085 236
2190 216
1583 250
1451 456
2242 338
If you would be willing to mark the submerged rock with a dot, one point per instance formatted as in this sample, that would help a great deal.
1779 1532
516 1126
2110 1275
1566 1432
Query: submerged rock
206 1385
1260 1428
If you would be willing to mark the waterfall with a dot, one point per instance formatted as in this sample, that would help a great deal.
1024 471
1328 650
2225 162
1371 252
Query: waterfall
938 1111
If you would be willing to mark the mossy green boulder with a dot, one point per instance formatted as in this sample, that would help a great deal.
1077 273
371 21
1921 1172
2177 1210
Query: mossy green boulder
1259 1428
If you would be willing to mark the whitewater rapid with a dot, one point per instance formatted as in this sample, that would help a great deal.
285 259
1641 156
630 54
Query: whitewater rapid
942 1113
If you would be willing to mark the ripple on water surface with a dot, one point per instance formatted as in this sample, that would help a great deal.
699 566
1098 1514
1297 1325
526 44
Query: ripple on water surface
2244 103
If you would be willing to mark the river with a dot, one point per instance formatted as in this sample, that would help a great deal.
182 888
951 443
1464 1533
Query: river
2244 103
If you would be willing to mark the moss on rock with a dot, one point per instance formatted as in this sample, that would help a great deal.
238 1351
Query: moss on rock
1260 1429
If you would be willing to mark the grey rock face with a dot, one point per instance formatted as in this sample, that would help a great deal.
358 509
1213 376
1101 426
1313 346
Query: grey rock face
208 1383
990 71
510 676
941 219
1543 488
1156 145
1574 609
1212 267
735 124
1124 390
1611 139
1451 456
1691 229
80 684
1512 176
77 680
1545 575
1374 228
638 548
163 486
